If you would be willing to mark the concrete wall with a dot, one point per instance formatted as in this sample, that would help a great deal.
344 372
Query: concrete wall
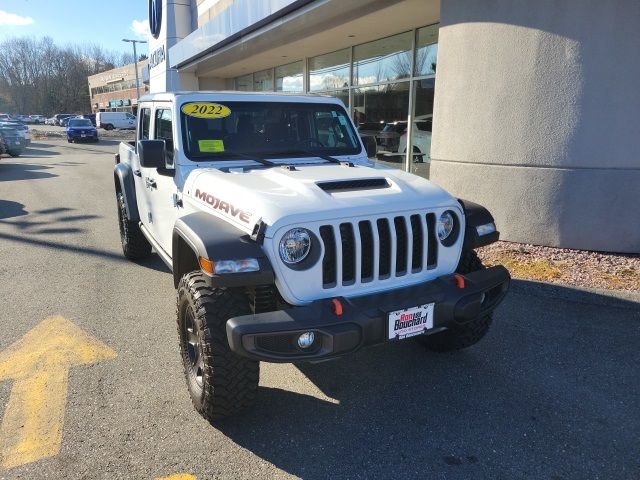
536 117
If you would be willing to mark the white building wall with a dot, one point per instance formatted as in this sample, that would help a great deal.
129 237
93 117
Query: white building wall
536 117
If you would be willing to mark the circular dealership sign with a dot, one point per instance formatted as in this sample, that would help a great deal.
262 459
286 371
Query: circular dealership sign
155 17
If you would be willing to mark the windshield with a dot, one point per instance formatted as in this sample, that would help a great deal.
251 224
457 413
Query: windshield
80 123
212 131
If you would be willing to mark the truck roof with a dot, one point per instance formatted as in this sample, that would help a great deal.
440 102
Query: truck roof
234 95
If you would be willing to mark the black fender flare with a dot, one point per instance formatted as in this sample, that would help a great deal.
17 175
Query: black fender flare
476 215
202 234
123 177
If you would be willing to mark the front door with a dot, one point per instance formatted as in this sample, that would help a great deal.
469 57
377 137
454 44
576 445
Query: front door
161 184
142 198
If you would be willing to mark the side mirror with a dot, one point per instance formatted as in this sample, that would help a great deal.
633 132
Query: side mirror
151 153
370 146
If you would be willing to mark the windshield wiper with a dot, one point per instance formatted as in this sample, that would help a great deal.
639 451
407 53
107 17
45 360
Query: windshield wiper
255 158
313 154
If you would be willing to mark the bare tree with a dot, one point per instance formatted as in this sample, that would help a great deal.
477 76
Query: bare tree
36 76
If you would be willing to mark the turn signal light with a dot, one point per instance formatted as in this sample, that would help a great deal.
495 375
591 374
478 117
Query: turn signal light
206 265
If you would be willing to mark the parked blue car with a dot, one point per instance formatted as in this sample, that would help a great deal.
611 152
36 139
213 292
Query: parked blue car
81 129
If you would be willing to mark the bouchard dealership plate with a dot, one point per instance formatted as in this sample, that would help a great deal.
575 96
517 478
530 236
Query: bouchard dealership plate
410 321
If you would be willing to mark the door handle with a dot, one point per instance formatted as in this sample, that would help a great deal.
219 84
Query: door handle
150 183
137 173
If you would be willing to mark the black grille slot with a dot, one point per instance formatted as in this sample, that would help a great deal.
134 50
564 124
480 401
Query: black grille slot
360 184
348 254
401 245
277 343
329 260
366 242
418 243
432 251
384 234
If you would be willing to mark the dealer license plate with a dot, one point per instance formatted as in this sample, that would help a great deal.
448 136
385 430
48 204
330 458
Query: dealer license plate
410 321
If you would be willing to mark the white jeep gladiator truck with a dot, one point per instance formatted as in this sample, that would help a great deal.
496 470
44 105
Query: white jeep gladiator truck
286 245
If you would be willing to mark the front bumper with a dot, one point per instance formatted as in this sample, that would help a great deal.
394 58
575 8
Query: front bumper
272 336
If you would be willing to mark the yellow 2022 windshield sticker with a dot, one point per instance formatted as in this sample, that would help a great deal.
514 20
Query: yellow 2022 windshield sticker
205 110
211 146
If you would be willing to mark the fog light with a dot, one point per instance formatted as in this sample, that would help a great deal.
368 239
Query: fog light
306 339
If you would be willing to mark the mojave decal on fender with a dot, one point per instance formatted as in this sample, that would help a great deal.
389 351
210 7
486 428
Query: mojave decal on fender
225 207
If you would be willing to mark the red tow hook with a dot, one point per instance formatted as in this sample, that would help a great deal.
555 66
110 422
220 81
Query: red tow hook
337 307
459 280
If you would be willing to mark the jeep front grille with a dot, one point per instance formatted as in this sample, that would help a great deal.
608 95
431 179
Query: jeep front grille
378 249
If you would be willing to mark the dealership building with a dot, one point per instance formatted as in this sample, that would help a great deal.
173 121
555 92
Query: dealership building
115 90
529 108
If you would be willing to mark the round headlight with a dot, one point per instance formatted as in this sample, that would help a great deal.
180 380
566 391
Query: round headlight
445 225
295 245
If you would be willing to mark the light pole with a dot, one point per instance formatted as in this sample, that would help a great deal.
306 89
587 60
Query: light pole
135 60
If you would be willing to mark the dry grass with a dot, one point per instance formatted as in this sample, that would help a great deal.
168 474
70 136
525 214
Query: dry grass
572 267
542 270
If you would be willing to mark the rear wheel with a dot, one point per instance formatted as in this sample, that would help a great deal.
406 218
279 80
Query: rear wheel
135 246
220 383
469 333
417 157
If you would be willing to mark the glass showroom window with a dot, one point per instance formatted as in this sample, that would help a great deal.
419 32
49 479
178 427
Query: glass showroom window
289 78
244 83
329 71
342 94
426 51
382 111
383 60
426 59
423 91
263 81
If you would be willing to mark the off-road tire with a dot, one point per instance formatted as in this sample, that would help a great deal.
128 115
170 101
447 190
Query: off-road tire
224 383
135 246
470 333
469 262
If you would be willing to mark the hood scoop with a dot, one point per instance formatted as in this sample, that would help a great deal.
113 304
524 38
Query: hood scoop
355 184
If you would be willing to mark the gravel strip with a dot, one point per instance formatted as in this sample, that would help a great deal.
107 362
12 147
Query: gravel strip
125 135
577 268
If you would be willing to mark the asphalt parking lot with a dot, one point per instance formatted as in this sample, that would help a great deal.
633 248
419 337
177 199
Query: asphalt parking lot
553 391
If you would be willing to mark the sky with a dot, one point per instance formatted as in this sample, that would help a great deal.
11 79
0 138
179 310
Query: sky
103 22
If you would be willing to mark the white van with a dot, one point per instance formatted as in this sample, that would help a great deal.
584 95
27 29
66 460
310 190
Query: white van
111 120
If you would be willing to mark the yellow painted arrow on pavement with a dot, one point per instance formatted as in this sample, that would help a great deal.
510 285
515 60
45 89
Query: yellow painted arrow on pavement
39 364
